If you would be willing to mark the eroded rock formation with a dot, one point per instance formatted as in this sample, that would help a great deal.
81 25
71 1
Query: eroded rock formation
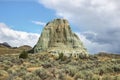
57 37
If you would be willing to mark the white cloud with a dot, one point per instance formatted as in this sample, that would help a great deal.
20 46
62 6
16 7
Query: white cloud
98 16
88 13
17 38
39 23
94 47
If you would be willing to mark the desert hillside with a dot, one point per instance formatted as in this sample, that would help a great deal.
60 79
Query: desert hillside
46 66
5 48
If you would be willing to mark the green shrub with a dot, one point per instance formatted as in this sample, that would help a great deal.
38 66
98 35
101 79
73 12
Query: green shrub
117 78
62 57
88 75
93 57
42 73
78 76
83 56
62 76
101 72
30 76
47 64
107 77
85 75
23 54
4 75
95 77
116 68
71 70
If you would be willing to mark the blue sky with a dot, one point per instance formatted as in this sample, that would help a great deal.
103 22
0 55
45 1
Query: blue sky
19 15
96 22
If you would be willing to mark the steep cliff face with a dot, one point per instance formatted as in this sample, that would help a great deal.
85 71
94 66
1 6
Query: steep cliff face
57 37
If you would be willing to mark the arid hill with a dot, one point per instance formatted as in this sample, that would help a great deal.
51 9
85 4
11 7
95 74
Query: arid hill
5 48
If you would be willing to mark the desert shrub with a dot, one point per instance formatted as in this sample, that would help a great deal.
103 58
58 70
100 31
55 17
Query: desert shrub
116 68
118 61
47 64
71 70
54 63
95 77
107 77
7 62
105 69
31 76
11 71
88 75
117 78
62 57
101 72
21 72
3 75
42 56
86 66
81 56
78 76
23 54
16 78
5 66
72 62
85 75
108 68
93 57
62 76
42 73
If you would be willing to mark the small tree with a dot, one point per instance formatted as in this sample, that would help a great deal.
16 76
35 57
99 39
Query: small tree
23 54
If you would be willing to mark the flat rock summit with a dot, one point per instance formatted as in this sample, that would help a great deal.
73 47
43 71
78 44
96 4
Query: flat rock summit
57 37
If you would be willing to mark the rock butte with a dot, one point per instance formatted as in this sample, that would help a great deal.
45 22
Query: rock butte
57 37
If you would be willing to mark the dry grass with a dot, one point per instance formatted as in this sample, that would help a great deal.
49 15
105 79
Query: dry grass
5 50
9 51
45 66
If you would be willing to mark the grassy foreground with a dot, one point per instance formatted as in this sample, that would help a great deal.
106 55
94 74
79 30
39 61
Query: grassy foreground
44 66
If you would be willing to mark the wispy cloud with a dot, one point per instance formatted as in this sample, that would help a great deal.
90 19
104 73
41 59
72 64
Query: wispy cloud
17 38
39 23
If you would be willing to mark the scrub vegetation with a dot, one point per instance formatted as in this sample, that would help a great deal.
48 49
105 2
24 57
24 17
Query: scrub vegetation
45 66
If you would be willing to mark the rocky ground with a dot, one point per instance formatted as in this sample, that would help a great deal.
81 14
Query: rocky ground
49 67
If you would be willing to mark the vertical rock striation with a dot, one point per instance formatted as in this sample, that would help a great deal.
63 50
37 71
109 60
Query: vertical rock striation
57 37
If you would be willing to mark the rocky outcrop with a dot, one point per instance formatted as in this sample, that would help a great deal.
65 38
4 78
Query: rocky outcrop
57 37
